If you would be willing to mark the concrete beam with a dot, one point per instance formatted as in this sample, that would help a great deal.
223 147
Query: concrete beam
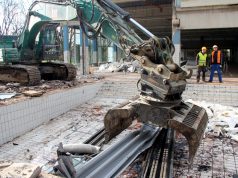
199 3
208 18
155 22
150 10
154 17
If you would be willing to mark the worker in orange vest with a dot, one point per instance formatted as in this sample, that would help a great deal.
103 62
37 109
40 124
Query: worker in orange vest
201 60
216 61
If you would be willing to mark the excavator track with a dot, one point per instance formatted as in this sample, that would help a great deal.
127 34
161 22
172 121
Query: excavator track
57 71
23 74
71 70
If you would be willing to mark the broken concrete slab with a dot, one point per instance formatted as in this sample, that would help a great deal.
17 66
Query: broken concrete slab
119 67
4 164
6 95
33 93
13 84
25 170
3 88
45 86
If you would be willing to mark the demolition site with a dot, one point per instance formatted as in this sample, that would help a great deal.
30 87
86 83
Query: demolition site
120 89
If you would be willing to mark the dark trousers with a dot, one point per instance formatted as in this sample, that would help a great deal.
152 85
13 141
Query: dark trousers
203 70
217 68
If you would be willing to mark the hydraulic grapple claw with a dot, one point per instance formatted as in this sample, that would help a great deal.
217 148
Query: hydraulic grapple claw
186 118
191 123
117 120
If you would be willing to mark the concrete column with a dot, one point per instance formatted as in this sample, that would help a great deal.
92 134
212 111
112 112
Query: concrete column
177 44
99 50
235 59
84 54
115 53
75 47
178 3
66 43
95 59
176 32
110 54
78 44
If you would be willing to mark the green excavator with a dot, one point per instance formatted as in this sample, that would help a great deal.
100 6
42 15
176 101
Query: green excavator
162 81
38 50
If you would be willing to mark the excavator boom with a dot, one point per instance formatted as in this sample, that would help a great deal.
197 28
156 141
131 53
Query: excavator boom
162 81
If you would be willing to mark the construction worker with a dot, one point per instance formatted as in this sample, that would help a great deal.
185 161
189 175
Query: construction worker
201 60
216 61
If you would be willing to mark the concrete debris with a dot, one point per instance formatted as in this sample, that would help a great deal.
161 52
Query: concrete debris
223 120
6 95
45 86
135 67
44 175
4 164
120 67
21 170
33 93
13 84
3 88
89 78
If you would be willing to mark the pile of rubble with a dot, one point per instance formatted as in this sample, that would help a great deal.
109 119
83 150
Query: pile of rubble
216 155
14 92
223 120
133 66
26 170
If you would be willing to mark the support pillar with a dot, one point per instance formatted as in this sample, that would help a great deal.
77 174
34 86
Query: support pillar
176 33
99 44
110 54
176 38
95 59
66 43
115 53
84 54
75 47
78 45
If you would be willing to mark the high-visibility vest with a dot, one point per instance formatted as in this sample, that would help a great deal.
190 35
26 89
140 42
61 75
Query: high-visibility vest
218 57
202 61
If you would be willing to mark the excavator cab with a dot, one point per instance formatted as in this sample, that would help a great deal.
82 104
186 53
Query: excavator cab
50 48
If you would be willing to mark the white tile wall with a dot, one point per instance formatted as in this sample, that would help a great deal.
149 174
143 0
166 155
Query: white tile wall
17 119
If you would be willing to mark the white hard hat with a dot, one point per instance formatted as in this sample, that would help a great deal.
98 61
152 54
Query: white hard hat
215 46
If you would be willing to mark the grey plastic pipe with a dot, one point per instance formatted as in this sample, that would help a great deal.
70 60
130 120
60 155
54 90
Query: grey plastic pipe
81 148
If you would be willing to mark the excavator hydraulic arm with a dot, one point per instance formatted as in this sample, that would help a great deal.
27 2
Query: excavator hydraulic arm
186 118
162 81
